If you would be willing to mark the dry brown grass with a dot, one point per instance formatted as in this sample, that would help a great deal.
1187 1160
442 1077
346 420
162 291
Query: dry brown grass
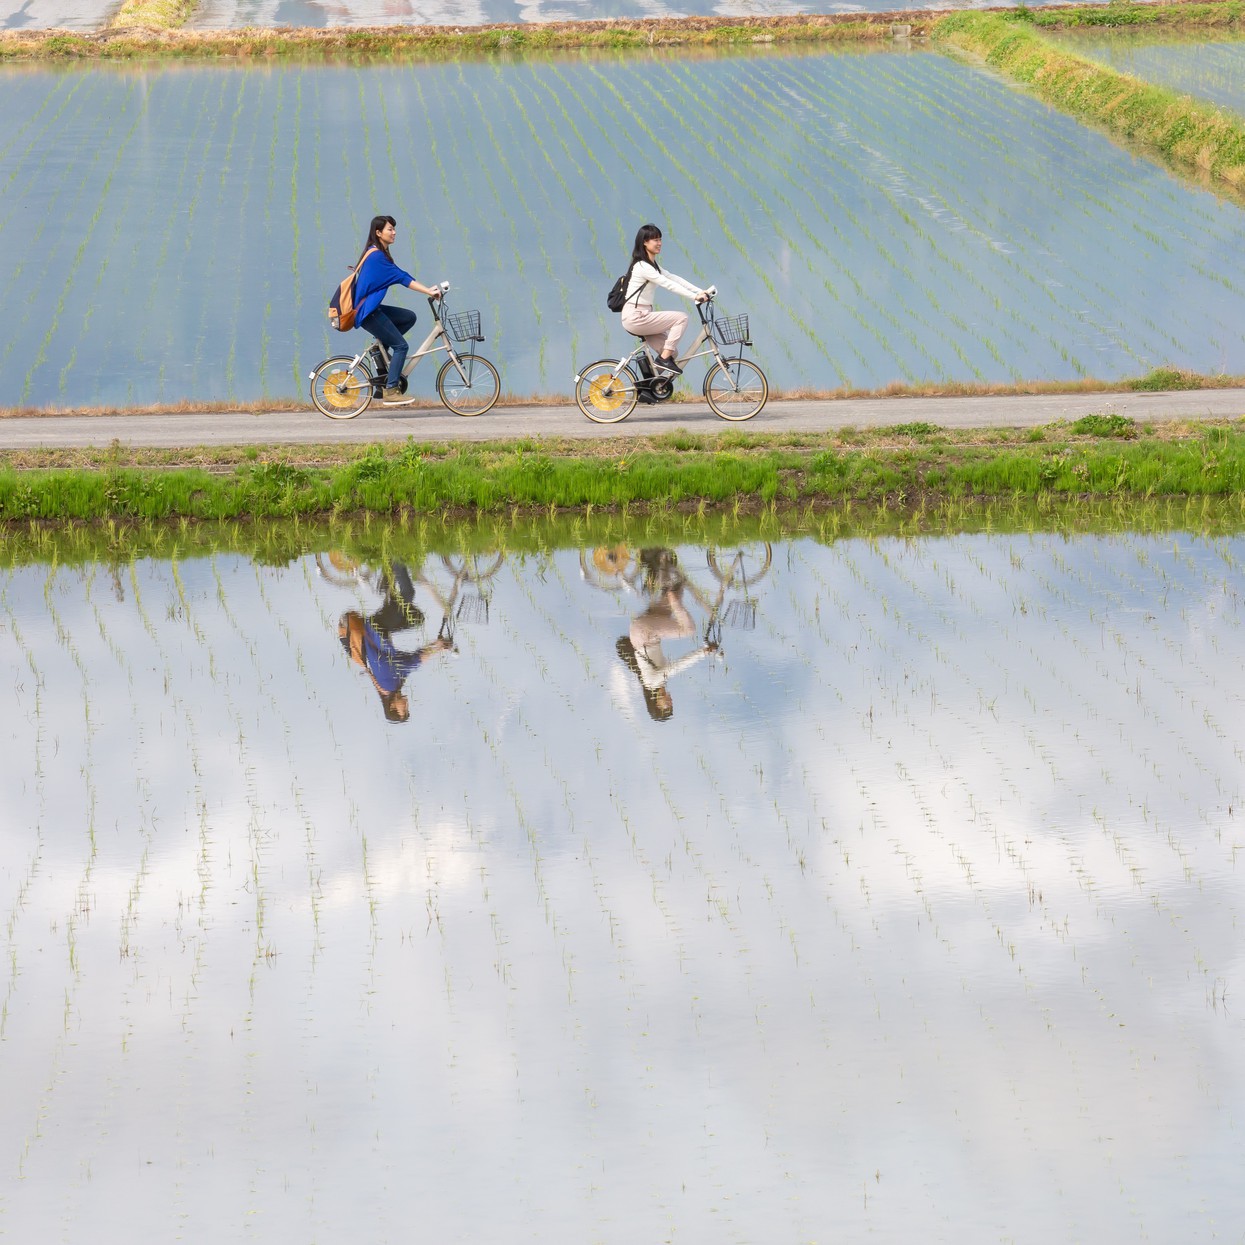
807 393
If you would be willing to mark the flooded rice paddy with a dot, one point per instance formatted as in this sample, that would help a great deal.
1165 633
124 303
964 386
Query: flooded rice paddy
77 15
173 231
1211 71
787 892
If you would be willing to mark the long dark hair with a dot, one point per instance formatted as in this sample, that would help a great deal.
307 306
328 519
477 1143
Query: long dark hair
659 710
373 237
646 233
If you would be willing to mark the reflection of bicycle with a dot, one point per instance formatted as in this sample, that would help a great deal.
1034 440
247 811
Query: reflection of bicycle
471 573
622 570
735 388
465 599
344 386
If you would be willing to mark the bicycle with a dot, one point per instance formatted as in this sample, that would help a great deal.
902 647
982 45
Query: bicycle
343 386
735 388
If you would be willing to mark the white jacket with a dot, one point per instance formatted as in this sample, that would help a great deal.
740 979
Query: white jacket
644 275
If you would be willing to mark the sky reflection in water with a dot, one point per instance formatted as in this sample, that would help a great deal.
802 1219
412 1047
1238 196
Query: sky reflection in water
920 908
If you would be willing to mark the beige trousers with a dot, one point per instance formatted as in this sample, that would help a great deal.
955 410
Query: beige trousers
661 330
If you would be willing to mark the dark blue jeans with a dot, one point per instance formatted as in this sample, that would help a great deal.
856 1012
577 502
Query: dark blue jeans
389 325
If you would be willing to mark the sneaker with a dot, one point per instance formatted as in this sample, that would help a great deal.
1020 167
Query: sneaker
393 397
669 365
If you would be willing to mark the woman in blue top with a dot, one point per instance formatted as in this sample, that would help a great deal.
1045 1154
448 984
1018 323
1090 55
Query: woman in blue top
387 323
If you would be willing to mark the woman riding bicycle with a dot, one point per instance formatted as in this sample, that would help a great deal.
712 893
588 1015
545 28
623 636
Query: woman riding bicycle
661 330
389 324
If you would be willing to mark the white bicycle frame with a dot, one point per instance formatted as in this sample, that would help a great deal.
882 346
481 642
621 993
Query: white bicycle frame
426 347
692 352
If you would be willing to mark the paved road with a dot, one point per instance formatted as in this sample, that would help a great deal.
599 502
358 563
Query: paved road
173 431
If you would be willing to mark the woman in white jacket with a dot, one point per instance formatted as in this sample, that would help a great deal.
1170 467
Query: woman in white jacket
660 330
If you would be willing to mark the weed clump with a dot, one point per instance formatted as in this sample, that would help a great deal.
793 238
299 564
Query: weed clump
1119 426
918 428
1165 379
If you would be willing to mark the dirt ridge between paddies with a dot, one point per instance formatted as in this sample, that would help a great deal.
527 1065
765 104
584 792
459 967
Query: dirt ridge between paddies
1194 136
439 42
151 29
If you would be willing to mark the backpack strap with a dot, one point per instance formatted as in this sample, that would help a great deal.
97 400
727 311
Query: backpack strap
630 269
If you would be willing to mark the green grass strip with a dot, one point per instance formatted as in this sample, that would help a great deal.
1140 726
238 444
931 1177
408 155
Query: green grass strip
1105 456
1221 15
1192 135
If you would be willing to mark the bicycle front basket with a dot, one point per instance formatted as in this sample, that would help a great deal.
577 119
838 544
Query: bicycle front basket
464 325
732 330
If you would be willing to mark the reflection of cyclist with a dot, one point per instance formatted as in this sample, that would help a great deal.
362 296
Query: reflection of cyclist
666 618
386 322
661 330
369 641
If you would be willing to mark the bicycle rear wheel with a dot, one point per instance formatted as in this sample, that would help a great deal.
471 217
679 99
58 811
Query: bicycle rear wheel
604 394
736 389
472 391
340 390
741 567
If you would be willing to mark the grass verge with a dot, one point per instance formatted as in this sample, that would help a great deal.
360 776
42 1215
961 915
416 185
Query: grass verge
1192 135
1220 15
903 467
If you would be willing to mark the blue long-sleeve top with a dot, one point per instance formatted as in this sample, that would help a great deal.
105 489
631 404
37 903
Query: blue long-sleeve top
376 274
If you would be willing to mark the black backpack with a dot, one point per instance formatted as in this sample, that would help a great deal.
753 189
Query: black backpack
616 299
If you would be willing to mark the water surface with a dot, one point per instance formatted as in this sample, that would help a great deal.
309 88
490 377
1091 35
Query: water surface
173 231
918 906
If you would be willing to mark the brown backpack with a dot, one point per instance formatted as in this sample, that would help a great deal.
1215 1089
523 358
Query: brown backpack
341 302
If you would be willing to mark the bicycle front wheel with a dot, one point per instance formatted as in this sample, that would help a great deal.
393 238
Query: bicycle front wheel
472 391
736 389
605 394
340 390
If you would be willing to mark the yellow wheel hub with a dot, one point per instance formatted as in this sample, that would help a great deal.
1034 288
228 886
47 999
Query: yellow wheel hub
606 393
339 392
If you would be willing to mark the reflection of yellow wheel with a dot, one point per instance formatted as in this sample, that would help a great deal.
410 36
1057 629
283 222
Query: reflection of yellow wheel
611 561
340 568
342 561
